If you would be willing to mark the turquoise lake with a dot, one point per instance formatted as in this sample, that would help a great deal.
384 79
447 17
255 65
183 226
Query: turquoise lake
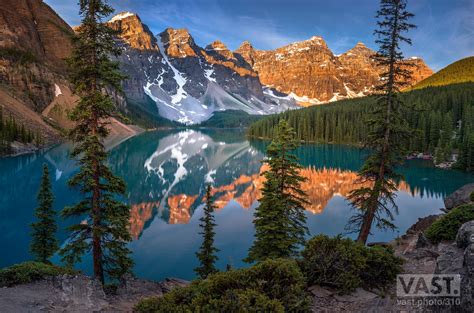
166 173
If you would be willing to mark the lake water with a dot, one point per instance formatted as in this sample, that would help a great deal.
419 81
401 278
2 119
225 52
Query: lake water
166 173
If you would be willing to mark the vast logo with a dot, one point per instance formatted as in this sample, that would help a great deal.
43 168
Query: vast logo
422 285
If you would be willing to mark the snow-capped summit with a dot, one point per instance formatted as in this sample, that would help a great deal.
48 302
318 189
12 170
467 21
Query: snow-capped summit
121 16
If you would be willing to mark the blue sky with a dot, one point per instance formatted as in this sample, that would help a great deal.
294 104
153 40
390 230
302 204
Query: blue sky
445 30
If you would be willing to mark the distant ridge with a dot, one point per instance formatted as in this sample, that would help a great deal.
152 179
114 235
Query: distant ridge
461 71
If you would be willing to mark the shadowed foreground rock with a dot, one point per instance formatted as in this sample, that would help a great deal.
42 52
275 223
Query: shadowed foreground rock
459 197
421 257
80 293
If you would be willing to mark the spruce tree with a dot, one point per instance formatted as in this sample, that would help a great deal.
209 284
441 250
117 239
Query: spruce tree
280 220
389 131
207 252
44 243
105 232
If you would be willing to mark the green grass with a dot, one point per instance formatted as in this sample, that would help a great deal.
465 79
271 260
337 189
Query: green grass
458 72
28 272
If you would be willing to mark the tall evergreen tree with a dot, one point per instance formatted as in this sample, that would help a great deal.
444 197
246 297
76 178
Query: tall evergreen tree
389 130
207 252
44 243
280 218
106 231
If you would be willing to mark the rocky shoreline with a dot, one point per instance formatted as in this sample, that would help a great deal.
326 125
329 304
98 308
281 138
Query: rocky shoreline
80 293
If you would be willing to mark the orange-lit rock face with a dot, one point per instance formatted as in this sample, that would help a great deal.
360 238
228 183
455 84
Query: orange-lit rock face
139 214
134 32
180 206
310 69
419 71
179 43
218 53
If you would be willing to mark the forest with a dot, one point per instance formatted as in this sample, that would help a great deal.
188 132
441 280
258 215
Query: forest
441 120
11 130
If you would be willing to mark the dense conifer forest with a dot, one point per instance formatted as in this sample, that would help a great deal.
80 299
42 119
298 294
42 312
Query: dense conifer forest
11 130
441 118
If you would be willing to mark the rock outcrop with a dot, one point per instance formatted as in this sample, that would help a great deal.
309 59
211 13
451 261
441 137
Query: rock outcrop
34 41
80 293
459 197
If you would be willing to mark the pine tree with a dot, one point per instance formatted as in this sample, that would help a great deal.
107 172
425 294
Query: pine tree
207 251
106 231
280 217
389 130
44 243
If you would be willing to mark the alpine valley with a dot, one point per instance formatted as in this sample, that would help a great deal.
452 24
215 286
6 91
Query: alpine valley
170 79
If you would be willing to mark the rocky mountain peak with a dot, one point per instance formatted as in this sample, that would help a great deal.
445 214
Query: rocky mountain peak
359 50
420 70
247 52
245 46
218 47
132 31
317 41
179 43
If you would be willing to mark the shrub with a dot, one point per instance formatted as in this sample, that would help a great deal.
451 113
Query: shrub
270 286
333 262
471 197
28 272
381 268
346 265
446 227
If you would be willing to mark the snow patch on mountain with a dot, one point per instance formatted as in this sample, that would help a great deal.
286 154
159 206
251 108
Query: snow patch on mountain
57 91
121 16
178 77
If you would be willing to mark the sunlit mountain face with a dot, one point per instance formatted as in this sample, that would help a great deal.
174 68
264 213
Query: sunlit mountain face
166 173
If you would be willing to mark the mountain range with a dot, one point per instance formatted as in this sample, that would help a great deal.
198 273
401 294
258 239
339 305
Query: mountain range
169 76
189 83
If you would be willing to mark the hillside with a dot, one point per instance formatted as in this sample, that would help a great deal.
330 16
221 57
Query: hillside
458 72
432 113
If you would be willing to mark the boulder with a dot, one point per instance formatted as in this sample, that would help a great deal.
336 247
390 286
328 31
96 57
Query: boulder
422 224
459 197
465 235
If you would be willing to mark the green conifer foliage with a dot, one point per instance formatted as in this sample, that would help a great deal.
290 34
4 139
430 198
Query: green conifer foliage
44 243
280 221
105 230
207 252
389 130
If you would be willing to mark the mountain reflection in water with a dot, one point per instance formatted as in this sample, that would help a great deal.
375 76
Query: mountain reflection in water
166 173
176 173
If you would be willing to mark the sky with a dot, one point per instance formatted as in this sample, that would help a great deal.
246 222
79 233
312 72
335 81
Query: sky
444 33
